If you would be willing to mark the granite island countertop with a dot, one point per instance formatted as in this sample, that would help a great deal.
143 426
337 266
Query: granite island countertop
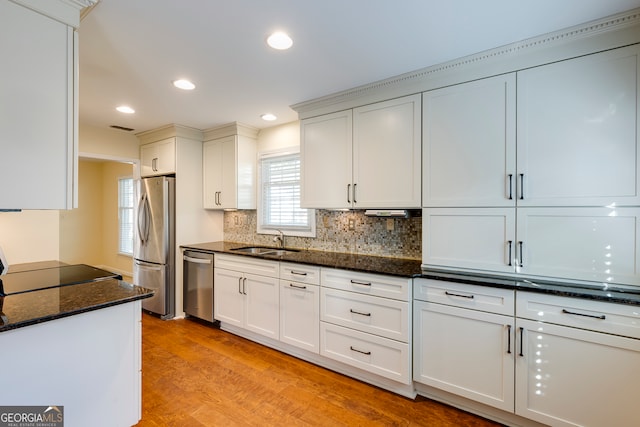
33 293
411 268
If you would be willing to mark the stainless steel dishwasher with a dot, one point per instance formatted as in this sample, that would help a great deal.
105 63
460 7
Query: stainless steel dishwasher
198 284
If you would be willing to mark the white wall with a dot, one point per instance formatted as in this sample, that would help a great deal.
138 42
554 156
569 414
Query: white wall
29 236
277 137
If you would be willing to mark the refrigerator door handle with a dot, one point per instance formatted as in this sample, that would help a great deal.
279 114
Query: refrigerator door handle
146 265
141 218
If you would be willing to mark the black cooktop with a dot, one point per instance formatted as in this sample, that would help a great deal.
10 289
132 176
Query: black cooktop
44 278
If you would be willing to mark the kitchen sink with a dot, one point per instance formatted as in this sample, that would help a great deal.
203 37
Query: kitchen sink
262 250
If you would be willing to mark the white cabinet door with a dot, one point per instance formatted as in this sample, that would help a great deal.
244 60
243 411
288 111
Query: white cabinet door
228 300
387 147
595 244
326 159
299 315
466 352
577 131
38 124
469 138
212 174
478 239
158 158
262 313
569 377
229 166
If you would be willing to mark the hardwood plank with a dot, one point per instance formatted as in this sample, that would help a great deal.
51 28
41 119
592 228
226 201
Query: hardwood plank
197 375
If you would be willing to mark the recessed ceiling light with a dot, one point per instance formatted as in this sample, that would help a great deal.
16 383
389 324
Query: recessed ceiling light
279 40
184 84
268 117
125 109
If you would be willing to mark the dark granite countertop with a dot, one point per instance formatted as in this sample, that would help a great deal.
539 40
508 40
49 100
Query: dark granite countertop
363 263
41 304
412 268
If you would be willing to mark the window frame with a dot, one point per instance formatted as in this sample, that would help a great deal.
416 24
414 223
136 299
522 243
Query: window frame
122 208
310 231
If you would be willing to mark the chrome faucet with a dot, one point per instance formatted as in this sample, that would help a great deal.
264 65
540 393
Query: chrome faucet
280 239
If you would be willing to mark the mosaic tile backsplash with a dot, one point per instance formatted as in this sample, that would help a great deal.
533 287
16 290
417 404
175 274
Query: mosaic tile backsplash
368 236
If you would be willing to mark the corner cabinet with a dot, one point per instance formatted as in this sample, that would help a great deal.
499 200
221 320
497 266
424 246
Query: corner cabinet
229 167
368 157
39 130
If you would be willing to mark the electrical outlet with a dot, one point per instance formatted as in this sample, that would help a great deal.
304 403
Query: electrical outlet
390 224
352 224
235 220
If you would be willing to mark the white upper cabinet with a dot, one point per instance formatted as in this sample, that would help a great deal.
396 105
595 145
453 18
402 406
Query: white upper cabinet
469 144
39 122
387 146
158 158
325 153
368 157
229 168
577 131
594 244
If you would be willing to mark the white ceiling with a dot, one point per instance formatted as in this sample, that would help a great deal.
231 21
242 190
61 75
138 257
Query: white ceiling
131 50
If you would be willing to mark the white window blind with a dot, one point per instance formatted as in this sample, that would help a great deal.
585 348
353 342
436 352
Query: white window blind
125 216
280 196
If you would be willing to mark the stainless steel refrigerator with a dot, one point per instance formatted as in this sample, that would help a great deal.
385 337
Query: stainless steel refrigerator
154 245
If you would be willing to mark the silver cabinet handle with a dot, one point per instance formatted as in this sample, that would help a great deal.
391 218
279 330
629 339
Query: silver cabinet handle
297 286
451 294
359 351
521 254
521 354
298 273
355 282
509 339
510 242
240 285
348 193
244 286
354 193
510 186
521 186
593 316
360 313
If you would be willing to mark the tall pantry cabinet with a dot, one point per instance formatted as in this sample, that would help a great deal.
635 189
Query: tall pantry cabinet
545 186
178 150
39 88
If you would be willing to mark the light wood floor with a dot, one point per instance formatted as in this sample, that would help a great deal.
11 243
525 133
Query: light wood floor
196 375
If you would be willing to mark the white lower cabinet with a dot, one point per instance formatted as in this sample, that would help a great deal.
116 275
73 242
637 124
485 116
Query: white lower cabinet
559 361
570 372
365 321
461 348
300 306
245 299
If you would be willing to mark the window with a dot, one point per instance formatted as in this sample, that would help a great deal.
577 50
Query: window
279 197
125 216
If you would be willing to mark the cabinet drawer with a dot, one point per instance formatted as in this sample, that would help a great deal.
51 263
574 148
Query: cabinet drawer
483 298
364 283
618 319
380 316
247 264
300 273
381 356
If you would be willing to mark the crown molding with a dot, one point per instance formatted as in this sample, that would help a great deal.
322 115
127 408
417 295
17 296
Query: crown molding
230 129
65 11
602 34
169 131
